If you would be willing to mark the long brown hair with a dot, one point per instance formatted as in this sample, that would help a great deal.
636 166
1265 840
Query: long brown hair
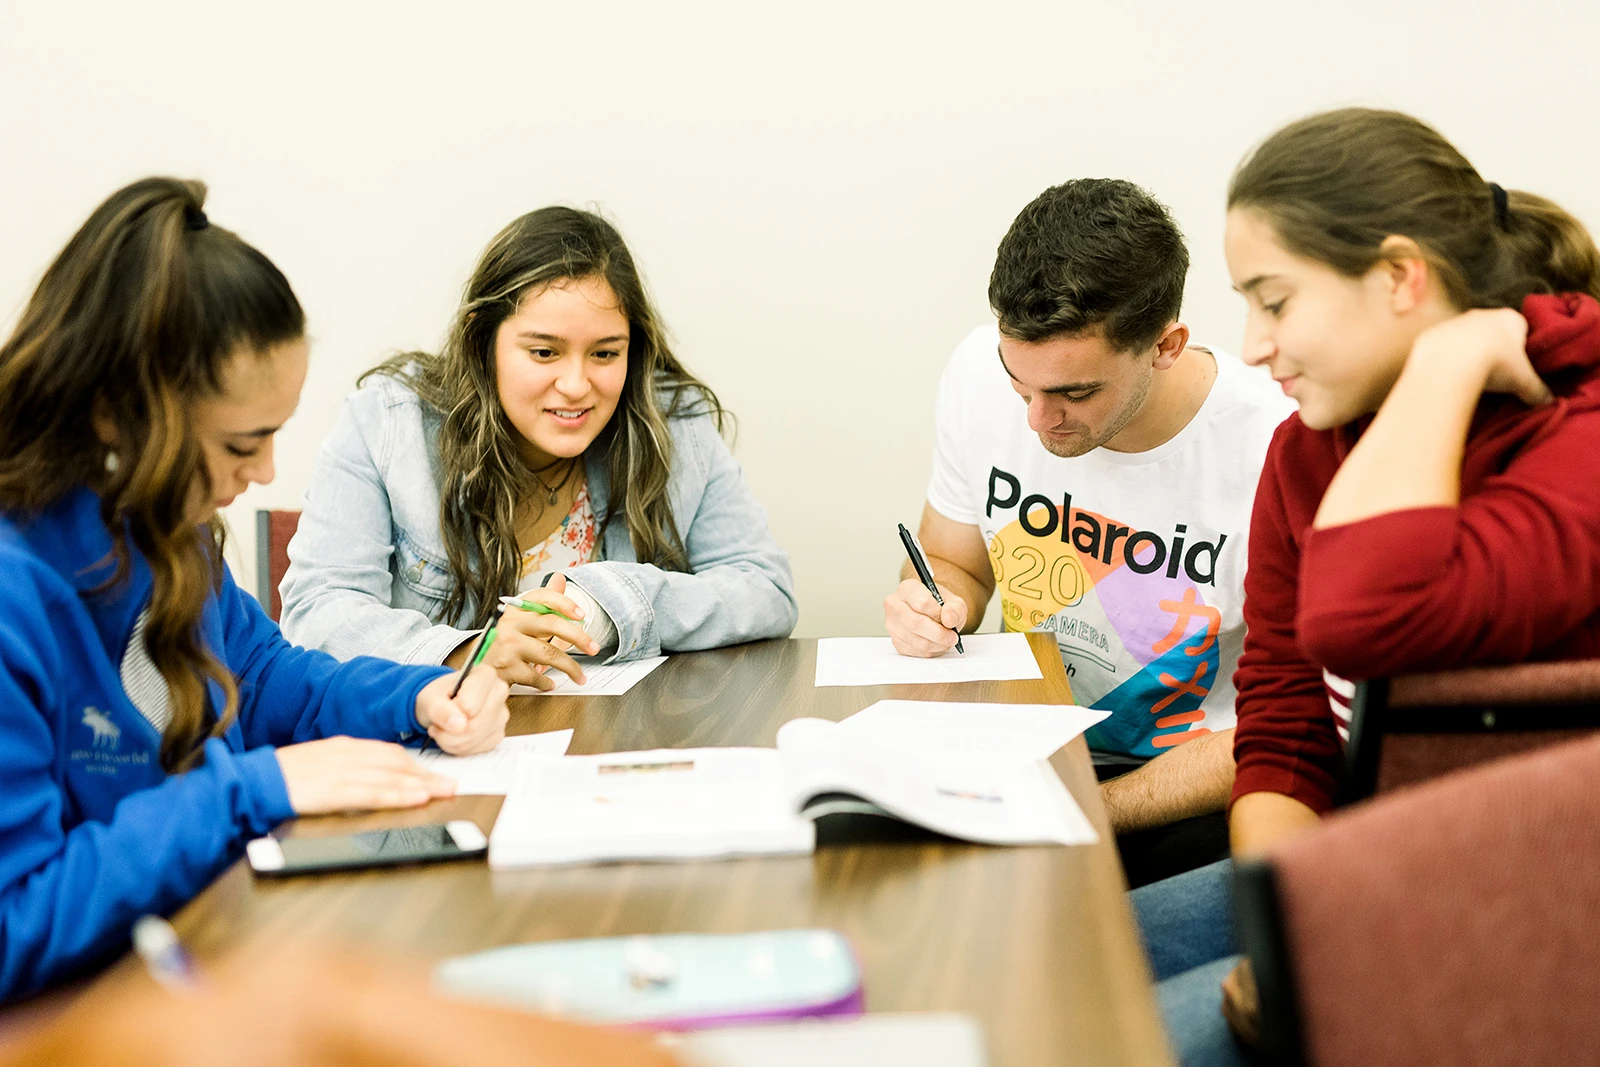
1335 185
484 477
133 322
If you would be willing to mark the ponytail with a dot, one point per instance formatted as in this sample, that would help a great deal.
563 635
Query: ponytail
135 320
1335 185
1550 245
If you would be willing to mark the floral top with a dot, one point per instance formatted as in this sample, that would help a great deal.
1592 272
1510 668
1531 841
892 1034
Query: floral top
572 543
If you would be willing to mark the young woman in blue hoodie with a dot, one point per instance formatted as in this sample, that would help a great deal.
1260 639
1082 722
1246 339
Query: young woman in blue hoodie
152 718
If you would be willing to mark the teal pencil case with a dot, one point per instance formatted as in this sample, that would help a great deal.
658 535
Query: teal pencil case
668 982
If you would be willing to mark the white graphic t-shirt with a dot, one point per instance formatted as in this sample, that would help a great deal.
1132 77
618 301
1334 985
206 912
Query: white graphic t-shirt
1134 560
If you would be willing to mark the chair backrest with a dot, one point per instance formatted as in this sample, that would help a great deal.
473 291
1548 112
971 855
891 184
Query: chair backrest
273 531
1448 924
1415 727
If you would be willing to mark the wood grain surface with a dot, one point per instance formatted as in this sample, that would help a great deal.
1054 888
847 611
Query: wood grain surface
1036 942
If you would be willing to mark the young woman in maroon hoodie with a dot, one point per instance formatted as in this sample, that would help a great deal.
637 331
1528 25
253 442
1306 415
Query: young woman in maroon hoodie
1434 504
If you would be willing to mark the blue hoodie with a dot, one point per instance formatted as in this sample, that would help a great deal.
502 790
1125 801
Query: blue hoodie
93 832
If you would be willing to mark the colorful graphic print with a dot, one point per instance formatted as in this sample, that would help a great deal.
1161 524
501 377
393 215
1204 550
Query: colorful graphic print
571 545
1138 638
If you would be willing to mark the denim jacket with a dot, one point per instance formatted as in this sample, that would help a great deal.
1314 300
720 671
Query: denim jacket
367 566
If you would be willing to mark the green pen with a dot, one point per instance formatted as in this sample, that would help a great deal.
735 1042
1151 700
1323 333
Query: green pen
537 609
560 644
484 641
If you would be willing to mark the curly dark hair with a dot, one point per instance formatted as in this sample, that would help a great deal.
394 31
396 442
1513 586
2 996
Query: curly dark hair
1093 252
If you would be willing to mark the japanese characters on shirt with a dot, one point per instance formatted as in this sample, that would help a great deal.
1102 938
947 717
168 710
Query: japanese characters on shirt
1134 561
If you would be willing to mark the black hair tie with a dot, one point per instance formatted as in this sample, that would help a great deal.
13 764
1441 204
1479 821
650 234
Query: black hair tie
1501 205
194 218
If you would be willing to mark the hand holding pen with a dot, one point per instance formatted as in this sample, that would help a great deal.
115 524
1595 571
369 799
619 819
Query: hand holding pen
922 620
466 712
521 603
531 640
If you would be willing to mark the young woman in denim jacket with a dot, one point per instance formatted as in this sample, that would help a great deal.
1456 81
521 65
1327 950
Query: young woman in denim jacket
555 447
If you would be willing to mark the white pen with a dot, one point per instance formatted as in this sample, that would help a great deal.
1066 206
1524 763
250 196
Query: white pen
163 954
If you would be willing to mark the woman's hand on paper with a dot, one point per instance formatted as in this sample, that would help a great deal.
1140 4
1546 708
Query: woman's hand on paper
475 720
356 774
529 644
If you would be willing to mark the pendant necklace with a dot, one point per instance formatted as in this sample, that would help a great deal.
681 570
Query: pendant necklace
556 489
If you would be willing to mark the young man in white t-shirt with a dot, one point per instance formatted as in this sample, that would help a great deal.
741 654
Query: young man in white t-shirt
1100 470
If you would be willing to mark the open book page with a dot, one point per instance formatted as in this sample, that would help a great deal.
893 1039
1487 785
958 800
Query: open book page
1031 731
494 772
660 804
998 799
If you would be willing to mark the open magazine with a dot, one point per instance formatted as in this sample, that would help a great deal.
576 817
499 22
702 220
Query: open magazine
706 802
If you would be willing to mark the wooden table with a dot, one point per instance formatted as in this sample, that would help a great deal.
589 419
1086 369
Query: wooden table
1038 943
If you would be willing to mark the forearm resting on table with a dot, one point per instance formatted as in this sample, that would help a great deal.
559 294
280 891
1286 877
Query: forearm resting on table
952 578
1260 820
1193 779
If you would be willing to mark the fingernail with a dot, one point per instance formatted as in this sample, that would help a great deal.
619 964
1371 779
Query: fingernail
577 613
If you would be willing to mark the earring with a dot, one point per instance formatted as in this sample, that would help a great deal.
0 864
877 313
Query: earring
113 462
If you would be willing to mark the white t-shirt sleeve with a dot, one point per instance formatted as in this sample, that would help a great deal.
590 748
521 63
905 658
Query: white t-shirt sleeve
949 489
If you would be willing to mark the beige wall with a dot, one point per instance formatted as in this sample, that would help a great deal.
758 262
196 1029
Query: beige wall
814 190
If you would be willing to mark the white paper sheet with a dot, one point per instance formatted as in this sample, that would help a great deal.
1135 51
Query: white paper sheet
609 680
493 773
873 661
928 1040
1032 731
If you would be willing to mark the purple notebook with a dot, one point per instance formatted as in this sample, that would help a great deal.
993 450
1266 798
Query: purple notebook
670 981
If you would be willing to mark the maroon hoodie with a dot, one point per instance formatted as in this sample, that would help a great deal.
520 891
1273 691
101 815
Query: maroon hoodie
1510 574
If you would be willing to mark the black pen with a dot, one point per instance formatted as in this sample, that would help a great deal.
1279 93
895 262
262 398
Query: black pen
924 573
479 650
